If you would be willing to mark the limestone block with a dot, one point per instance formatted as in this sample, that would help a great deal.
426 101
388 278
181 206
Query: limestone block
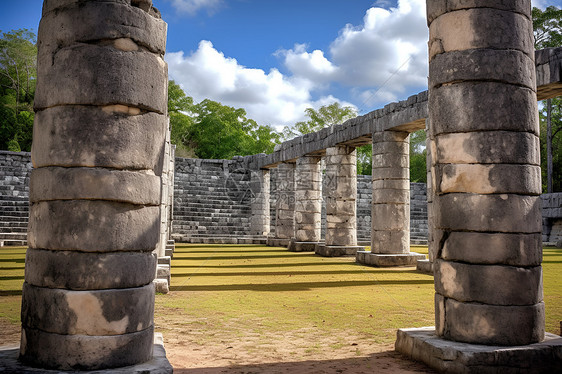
93 226
390 173
98 75
307 235
396 184
509 66
308 206
390 242
489 147
435 8
301 195
285 214
390 136
488 284
480 28
340 159
483 248
75 270
385 148
75 352
307 217
341 219
488 179
98 312
284 231
390 216
340 207
339 237
490 324
391 160
506 213
115 141
515 108
94 21
55 183
383 196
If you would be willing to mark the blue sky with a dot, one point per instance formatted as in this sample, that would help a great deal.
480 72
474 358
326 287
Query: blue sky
275 58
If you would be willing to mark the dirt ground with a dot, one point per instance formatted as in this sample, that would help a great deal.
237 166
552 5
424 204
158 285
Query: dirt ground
285 354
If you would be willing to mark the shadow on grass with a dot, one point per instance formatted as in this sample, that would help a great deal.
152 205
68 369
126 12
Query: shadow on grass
266 273
297 286
15 277
251 266
388 361
16 260
10 293
251 257
227 250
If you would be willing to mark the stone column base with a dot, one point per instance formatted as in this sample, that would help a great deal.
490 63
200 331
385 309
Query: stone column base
158 365
424 266
276 242
388 260
338 250
295 246
445 356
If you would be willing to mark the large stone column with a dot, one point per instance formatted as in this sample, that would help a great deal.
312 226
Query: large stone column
259 222
308 204
88 296
285 206
341 202
483 114
390 220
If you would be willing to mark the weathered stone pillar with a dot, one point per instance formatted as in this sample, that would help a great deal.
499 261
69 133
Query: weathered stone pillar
341 202
259 222
483 114
101 102
285 206
426 265
308 204
487 174
390 220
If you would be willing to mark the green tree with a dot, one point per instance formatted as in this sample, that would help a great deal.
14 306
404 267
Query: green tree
18 72
547 30
180 108
327 115
220 131
555 144
418 154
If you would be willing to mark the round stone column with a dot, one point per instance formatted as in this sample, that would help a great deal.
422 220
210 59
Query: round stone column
284 205
308 204
99 132
485 153
260 220
340 182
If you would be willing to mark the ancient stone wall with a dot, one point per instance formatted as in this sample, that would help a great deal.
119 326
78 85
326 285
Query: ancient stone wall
552 218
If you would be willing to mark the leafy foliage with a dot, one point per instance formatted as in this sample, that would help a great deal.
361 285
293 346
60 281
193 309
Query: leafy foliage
547 27
418 154
18 72
556 123
327 115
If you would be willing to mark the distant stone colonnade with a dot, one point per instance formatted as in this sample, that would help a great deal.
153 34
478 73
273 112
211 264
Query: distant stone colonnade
96 201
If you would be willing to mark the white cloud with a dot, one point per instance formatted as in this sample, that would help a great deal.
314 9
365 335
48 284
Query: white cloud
388 52
269 98
193 6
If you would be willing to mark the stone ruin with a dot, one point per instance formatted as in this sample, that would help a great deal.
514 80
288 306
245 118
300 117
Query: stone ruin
97 211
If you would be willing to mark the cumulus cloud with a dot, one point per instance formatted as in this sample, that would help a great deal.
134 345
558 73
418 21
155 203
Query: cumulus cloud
269 98
387 52
191 7
382 60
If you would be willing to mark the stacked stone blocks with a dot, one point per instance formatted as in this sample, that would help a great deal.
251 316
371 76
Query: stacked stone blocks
285 205
94 222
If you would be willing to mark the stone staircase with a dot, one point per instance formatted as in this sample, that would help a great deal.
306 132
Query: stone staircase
211 206
14 198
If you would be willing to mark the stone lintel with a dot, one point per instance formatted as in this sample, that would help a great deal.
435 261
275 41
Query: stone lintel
388 260
295 246
424 266
338 250
422 344
159 364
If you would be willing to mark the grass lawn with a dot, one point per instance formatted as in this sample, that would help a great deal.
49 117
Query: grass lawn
222 294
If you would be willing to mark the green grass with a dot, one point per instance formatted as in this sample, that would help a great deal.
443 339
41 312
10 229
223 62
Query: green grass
262 291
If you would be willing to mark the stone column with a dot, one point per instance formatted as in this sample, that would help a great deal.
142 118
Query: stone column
285 206
487 174
308 204
426 265
390 220
101 102
259 222
340 181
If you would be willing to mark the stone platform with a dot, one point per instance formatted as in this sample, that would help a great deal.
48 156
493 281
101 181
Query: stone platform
295 246
421 344
159 364
274 242
337 250
388 260
424 266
